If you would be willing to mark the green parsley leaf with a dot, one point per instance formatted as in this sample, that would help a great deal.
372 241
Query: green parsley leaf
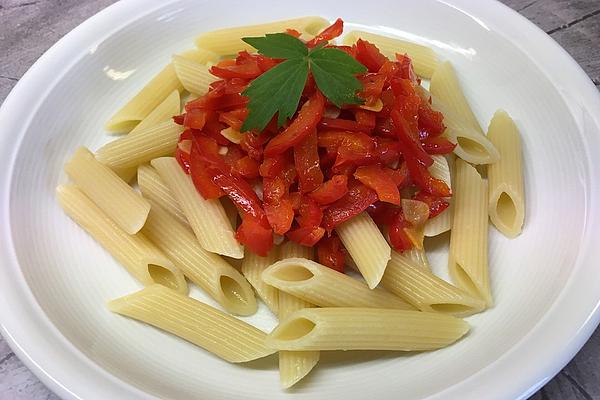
278 45
279 89
276 91
334 72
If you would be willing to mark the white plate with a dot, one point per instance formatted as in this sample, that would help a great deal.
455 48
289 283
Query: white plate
56 280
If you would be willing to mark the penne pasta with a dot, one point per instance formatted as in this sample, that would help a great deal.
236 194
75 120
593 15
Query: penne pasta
201 56
423 58
229 40
133 150
194 76
325 287
206 217
218 332
441 169
142 104
462 127
364 329
366 245
154 189
418 257
468 257
207 270
252 267
425 291
505 178
135 252
113 196
169 107
293 365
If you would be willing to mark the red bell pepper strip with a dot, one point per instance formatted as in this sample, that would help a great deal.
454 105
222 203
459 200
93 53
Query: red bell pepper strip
234 118
331 253
280 215
248 70
331 190
309 212
195 118
369 55
382 213
255 236
409 145
399 240
200 174
343 125
308 117
398 175
331 32
436 205
253 145
423 179
246 167
306 235
306 160
366 118
223 102
430 120
438 145
374 177
358 198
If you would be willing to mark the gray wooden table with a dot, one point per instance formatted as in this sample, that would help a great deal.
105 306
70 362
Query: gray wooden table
28 28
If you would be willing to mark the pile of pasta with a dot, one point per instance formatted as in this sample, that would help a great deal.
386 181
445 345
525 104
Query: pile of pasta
169 234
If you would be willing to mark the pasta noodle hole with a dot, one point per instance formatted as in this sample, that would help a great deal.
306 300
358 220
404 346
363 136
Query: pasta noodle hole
471 146
506 209
295 329
293 273
232 290
162 276
465 280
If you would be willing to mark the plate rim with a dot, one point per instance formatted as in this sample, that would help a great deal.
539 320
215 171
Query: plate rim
541 49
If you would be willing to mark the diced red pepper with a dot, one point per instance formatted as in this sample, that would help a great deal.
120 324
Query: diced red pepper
331 32
234 118
354 148
343 125
372 86
306 159
410 146
246 167
280 215
248 70
304 124
195 118
399 240
199 172
374 177
358 198
331 253
309 212
430 120
438 145
293 32
422 178
306 235
398 175
178 119
331 190
436 205
369 55
255 236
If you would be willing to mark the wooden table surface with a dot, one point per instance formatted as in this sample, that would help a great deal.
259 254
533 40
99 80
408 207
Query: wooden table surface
28 28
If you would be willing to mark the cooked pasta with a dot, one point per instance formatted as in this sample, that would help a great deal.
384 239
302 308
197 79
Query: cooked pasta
441 169
367 247
325 287
218 332
133 150
505 178
252 267
201 56
426 291
154 189
229 40
462 126
113 196
207 270
468 257
424 59
363 329
145 101
135 252
193 75
163 112
293 366
206 217
418 257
